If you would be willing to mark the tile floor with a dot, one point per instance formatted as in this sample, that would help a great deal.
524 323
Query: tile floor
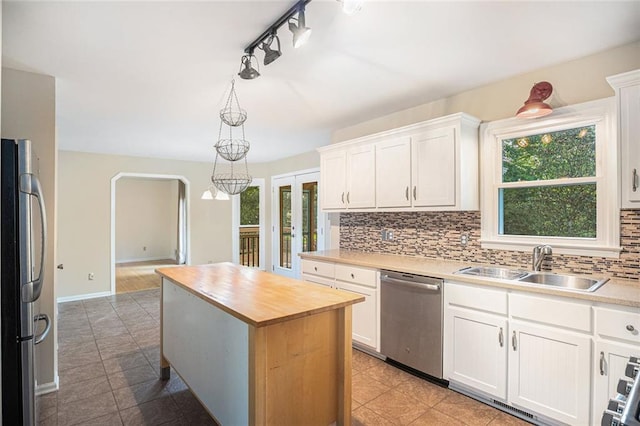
109 375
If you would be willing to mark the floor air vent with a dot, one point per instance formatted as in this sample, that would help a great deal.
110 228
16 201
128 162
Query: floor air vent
515 410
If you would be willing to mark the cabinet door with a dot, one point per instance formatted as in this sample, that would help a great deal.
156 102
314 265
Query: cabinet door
475 350
609 364
549 372
365 314
333 178
361 186
630 141
434 168
393 173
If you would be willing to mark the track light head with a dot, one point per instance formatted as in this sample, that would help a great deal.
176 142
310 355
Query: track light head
300 31
247 72
270 54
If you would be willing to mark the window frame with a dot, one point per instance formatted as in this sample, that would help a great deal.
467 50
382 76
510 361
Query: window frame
600 113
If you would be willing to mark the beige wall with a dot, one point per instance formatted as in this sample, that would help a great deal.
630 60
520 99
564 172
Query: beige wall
85 209
573 82
146 219
28 112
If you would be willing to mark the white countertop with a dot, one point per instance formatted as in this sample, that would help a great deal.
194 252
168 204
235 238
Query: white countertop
615 291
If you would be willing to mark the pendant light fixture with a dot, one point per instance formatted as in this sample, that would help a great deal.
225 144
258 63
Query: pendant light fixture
534 106
298 27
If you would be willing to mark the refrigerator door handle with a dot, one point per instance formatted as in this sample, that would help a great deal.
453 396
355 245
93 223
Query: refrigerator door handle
47 326
29 184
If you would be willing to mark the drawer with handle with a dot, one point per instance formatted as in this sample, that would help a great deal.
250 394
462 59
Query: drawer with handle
322 269
353 274
618 324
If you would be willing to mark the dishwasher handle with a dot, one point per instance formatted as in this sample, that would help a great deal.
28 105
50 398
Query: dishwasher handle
420 286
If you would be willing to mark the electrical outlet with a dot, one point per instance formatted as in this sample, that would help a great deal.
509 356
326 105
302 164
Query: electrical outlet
464 239
390 235
91 276
383 235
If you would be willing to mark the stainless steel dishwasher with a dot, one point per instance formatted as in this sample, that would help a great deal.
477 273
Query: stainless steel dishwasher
411 321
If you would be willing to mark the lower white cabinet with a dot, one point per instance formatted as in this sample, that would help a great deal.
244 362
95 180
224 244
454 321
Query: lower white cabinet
549 371
364 322
362 281
475 344
520 349
617 339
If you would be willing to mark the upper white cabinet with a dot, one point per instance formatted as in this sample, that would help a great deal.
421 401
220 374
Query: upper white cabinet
393 173
627 87
431 165
346 178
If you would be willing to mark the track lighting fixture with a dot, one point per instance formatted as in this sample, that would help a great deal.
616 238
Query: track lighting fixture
270 54
247 72
299 29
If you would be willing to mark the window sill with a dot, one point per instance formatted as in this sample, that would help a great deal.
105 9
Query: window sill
592 250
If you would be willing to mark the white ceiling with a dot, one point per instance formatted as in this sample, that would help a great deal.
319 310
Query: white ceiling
148 78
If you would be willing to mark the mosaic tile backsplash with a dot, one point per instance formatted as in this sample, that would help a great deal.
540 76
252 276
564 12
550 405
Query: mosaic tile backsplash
437 235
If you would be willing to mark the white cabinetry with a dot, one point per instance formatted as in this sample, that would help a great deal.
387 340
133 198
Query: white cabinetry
393 173
617 339
434 172
502 345
627 87
426 166
475 335
362 281
334 180
347 178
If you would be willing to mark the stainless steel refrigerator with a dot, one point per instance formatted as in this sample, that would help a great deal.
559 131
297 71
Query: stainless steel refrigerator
23 236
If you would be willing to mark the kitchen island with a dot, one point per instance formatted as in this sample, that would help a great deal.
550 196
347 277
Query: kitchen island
257 348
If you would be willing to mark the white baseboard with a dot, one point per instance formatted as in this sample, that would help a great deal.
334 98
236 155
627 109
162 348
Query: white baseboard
83 296
48 387
146 259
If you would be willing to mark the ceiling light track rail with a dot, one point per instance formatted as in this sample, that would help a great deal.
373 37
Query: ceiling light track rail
273 28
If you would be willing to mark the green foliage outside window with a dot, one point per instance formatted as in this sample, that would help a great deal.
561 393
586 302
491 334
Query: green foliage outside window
250 206
564 210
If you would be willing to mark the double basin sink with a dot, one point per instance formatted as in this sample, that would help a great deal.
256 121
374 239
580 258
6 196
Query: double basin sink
567 282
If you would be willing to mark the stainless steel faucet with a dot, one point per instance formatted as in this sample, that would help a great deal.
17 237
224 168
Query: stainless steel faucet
539 252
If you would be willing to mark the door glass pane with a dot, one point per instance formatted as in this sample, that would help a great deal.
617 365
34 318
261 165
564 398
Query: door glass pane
250 227
285 227
551 211
310 216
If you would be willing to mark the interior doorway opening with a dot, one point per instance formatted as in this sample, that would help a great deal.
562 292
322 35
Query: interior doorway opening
149 228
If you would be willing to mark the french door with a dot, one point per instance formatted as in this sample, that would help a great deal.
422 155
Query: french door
298 224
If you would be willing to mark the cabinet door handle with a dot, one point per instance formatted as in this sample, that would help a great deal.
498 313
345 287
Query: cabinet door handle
514 341
501 338
602 363
634 183
343 198
415 188
406 193
630 328
348 197
353 276
315 268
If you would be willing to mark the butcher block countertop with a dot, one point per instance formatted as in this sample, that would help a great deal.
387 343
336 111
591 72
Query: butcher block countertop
615 291
258 298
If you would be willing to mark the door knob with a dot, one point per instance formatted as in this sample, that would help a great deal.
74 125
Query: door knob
60 266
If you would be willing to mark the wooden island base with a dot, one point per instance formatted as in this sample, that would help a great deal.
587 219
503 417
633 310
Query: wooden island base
289 366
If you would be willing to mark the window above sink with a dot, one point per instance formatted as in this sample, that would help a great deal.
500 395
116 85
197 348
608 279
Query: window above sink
552 181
